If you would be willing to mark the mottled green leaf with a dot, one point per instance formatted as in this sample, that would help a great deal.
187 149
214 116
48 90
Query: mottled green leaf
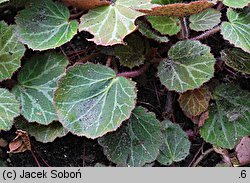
131 54
237 31
229 118
37 80
236 3
236 59
45 25
137 142
188 66
110 24
194 102
176 144
205 20
9 109
164 24
42 133
91 100
162 2
20 3
149 33
11 51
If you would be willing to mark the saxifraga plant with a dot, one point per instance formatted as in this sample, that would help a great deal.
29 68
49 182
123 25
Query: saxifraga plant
61 88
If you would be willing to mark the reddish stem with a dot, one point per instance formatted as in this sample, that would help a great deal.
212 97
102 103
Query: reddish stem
35 158
184 28
136 73
207 33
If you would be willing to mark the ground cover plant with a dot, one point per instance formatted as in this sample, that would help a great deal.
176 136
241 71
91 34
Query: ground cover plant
124 83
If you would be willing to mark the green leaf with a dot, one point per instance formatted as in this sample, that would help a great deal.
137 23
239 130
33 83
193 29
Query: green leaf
205 20
163 2
137 142
229 118
165 25
11 51
176 144
37 80
20 3
237 31
9 109
2 1
188 66
91 100
45 25
110 24
149 33
194 102
236 3
42 133
236 59
131 54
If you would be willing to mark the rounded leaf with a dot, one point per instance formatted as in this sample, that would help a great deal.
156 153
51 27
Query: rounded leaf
205 20
237 31
9 109
236 3
229 118
236 59
188 66
45 25
11 51
92 101
165 25
175 144
110 24
195 102
37 80
135 143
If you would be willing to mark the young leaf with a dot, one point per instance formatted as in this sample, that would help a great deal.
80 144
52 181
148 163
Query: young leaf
135 143
110 24
11 51
205 20
45 25
149 33
42 133
237 31
91 100
36 84
9 109
229 119
236 3
195 102
132 54
87 4
165 25
179 9
163 2
236 59
188 66
176 144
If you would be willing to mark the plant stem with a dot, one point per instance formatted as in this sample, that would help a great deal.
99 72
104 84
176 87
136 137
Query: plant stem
136 73
184 28
89 57
202 156
207 33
